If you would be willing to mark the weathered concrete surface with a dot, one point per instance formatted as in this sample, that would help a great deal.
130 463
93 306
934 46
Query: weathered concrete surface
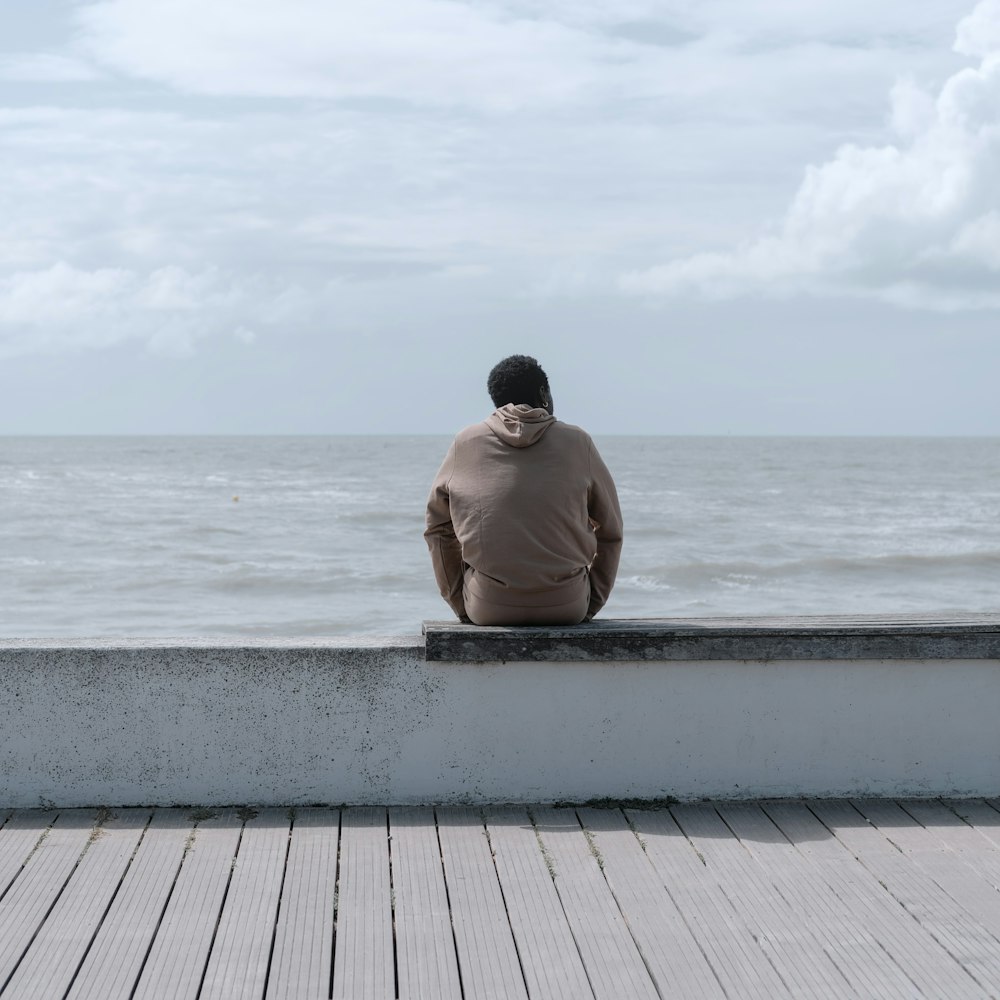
812 637
271 722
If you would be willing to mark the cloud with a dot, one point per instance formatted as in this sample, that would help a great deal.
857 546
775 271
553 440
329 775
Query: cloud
369 161
913 222
45 67
776 23
978 34
436 52
63 307
495 55
720 59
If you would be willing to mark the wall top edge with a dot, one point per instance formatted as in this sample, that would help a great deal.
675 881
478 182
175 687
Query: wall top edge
765 637
359 642
928 636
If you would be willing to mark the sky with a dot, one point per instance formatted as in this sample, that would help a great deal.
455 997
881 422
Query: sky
706 217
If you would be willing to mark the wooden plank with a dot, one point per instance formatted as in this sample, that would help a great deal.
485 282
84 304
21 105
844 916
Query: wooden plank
926 856
303 945
671 953
487 953
48 968
19 837
787 893
27 902
742 965
182 944
237 967
909 944
980 847
363 955
550 959
954 827
610 955
115 959
426 960
794 934
894 933
959 934
981 817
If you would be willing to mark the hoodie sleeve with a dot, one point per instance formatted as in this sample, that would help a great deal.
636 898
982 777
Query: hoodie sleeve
602 506
445 549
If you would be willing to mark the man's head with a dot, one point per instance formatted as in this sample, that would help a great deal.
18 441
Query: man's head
519 379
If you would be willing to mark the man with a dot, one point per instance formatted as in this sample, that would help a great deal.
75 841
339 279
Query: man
523 522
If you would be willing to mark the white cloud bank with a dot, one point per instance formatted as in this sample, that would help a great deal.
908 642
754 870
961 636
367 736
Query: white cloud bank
915 222
433 52
373 153
502 56
64 307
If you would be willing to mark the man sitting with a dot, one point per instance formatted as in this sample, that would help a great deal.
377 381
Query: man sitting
523 522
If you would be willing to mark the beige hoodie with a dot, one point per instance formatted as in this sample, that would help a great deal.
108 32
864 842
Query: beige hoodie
521 511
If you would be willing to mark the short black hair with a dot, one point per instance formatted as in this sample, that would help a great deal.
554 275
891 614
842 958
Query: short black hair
517 379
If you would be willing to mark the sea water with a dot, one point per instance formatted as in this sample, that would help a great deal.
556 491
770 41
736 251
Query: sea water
309 536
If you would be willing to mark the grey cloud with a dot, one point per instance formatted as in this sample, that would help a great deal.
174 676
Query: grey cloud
67 308
913 222
655 33
418 51
46 67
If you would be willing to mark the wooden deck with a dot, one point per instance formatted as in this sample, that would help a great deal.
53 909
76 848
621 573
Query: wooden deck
730 900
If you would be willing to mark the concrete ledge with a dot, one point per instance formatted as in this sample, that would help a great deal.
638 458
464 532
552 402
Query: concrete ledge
272 722
834 637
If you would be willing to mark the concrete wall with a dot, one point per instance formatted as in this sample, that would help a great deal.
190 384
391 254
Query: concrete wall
272 722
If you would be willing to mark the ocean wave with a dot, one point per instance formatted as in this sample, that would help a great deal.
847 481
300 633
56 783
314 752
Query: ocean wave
317 578
383 519
207 530
644 582
21 561
886 565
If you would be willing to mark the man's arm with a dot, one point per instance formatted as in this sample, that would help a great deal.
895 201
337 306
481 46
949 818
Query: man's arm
446 552
602 505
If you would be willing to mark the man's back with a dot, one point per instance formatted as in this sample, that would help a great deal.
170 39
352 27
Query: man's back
520 509
523 517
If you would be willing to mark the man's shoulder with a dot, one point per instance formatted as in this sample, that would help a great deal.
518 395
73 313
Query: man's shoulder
473 431
569 432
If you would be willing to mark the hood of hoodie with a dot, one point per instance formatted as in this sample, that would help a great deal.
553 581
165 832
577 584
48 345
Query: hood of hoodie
519 425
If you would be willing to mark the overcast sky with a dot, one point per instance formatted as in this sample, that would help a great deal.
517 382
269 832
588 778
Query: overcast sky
252 216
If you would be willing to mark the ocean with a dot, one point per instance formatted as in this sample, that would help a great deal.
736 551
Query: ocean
315 536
